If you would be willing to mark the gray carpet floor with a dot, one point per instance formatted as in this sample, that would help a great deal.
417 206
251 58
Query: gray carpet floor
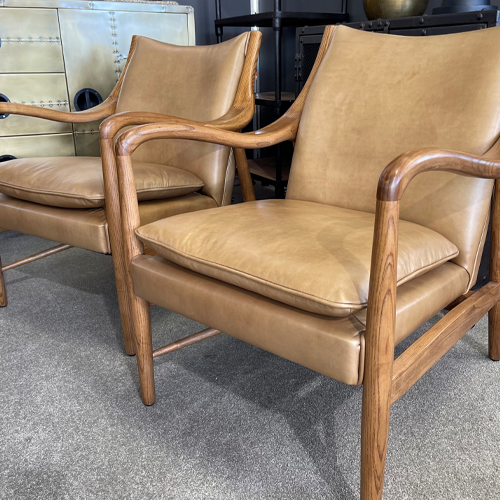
230 422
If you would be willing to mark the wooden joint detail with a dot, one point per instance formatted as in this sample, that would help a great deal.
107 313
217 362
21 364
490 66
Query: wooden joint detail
409 367
189 340
36 256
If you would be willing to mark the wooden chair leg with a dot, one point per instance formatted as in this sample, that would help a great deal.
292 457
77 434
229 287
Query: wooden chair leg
144 348
116 240
494 314
494 333
379 355
3 291
244 174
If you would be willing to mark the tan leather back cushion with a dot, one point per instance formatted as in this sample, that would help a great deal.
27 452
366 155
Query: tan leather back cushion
376 96
198 83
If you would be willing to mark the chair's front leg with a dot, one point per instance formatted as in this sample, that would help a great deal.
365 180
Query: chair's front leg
140 309
115 236
379 355
3 291
494 314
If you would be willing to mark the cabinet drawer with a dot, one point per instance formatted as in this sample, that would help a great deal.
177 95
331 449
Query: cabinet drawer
47 90
31 42
37 146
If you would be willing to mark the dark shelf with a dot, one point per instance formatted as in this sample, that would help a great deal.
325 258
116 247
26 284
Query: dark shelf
265 169
268 98
297 19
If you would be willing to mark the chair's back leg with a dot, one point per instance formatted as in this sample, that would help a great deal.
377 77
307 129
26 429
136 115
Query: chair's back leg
494 314
244 174
3 291
379 356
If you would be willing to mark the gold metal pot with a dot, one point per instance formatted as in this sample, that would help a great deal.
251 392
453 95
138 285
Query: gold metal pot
384 9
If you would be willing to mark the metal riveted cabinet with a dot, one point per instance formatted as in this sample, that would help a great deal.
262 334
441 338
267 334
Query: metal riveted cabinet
68 55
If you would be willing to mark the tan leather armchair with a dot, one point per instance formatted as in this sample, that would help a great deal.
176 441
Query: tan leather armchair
358 255
65 199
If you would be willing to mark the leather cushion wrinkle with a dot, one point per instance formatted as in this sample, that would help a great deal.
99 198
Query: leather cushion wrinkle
77 182
308 255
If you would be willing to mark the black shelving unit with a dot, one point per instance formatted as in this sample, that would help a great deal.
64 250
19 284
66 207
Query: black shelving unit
278 19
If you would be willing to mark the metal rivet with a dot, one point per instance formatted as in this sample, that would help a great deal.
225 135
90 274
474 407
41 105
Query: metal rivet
362 25
424 32
50 104
370 24
479 17
421 20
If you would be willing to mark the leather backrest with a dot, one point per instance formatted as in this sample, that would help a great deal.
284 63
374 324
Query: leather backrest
198 83
376 96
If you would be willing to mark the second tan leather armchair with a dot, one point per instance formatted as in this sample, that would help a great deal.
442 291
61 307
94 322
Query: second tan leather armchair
66 200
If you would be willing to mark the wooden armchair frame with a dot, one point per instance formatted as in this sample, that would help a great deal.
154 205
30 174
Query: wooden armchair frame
385 379
238 116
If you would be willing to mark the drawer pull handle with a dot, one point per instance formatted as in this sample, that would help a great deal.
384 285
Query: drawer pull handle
4 98
86 99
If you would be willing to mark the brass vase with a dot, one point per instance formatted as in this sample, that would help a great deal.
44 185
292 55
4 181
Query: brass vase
389 9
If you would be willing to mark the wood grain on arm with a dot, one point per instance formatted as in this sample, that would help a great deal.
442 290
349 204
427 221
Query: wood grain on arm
400 172
99 112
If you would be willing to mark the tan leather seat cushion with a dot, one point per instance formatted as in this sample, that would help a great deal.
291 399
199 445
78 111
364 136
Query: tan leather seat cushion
77 182
308 255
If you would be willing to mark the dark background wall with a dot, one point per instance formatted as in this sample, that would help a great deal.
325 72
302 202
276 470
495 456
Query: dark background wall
205 33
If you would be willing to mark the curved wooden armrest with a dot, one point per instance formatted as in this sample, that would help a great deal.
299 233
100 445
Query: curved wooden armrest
284 129
401 171
103 110
234 120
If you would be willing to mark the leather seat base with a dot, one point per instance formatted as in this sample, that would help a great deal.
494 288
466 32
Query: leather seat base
328 345
82 228
86 228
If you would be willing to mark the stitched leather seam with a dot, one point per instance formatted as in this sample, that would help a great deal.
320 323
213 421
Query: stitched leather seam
97 197
280 287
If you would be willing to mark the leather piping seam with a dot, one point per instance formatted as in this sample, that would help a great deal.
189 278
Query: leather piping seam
91 198
348 306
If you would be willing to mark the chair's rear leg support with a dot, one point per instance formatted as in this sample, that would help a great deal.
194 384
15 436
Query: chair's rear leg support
494 333
494 314
189 340
413 363
27 260
3 291
244 174
379 351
